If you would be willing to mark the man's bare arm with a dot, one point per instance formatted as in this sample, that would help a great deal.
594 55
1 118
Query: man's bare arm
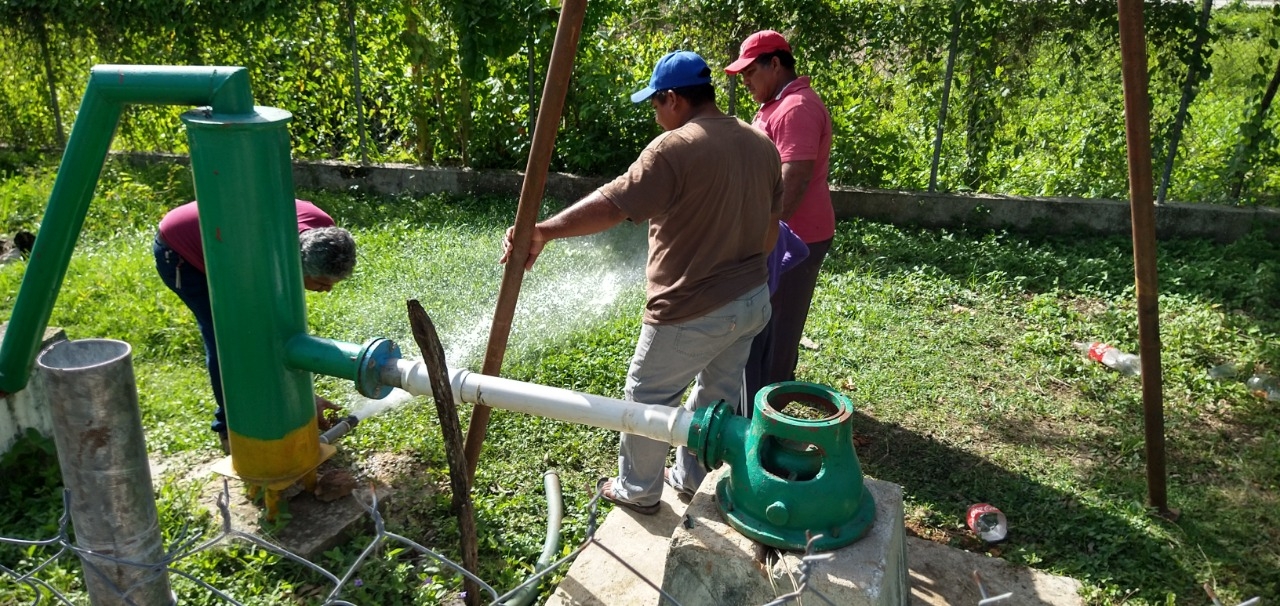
795 180
592 214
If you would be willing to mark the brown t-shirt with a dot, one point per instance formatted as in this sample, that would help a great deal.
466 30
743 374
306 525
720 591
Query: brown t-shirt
708 190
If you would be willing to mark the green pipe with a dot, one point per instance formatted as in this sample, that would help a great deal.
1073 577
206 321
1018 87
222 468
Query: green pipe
360 363
244 188
72 190
550 544
323 356
225 89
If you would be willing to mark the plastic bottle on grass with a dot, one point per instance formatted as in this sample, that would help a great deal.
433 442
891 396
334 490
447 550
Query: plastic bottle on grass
1225 370
987 522
1109 356
1264 386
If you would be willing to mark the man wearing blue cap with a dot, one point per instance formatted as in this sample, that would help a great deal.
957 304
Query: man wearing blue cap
711 189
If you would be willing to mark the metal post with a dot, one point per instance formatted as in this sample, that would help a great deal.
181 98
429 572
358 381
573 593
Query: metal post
733 80
43 33
946 97
1188 92
89 387
535 181
1137 122
355 71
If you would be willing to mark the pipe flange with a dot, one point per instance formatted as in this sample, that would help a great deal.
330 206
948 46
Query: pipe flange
376 353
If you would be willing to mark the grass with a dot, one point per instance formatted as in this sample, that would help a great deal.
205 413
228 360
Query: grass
954 346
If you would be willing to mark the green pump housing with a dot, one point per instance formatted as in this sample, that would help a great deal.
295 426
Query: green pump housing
242 171
790 477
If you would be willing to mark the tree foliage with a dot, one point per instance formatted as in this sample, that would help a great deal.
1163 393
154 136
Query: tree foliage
1035 104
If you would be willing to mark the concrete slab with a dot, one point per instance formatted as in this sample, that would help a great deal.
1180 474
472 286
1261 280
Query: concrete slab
943 576
27 409
597 578
710 563
939 575
317 522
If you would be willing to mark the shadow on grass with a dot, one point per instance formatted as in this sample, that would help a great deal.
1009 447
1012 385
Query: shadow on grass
1047 525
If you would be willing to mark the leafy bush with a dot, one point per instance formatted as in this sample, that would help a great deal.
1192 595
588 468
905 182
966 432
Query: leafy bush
1035 105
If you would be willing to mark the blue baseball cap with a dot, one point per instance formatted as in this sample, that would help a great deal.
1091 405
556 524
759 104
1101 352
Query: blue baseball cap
674 70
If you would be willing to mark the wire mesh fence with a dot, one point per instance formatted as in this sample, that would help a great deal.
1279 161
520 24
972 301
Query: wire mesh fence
189 542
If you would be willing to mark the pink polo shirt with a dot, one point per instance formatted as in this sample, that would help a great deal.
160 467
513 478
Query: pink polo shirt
798 124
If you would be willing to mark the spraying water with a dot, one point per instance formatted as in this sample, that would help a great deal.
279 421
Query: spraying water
363 408
577 283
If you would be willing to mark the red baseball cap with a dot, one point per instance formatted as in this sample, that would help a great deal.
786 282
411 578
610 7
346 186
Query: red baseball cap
759 43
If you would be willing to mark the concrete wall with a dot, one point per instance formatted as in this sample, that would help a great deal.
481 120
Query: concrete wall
1052 215
21 411
935 210
1041 215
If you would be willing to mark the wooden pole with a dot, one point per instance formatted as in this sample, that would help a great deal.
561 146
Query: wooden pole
535 181
1137 123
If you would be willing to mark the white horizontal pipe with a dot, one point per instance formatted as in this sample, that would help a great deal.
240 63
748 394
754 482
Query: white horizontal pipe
662 423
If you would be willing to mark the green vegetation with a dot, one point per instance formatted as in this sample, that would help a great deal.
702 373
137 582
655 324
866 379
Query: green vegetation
954 346
1035 106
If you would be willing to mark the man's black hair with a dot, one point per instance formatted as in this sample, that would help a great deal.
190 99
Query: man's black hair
784 59
697 94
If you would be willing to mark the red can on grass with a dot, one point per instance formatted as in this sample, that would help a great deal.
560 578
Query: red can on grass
988 522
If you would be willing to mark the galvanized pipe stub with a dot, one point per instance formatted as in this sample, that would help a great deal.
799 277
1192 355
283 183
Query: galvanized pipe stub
89 387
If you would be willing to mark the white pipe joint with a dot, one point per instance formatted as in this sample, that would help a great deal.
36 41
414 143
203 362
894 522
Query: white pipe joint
662 423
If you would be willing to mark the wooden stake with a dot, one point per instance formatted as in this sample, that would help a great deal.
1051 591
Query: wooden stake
424 333
535 181
1137 126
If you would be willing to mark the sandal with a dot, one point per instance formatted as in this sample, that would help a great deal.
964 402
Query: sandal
666 477
604 487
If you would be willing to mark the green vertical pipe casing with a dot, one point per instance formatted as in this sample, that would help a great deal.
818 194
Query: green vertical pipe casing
110 88
248 224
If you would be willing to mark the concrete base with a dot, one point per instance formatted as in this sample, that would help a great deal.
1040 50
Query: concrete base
21 411
710 563
939 575
597 578
317 522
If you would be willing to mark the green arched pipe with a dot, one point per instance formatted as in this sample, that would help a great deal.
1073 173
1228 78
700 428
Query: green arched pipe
224 89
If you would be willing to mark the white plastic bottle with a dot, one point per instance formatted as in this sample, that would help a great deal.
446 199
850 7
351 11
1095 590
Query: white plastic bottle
1109 356
1264 386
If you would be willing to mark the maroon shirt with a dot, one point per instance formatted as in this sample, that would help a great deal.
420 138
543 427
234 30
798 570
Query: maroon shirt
180 229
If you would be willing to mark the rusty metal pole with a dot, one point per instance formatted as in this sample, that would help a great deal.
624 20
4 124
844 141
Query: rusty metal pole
535 181
1137 122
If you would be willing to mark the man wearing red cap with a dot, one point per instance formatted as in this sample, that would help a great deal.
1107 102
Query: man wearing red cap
796 120
710 188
